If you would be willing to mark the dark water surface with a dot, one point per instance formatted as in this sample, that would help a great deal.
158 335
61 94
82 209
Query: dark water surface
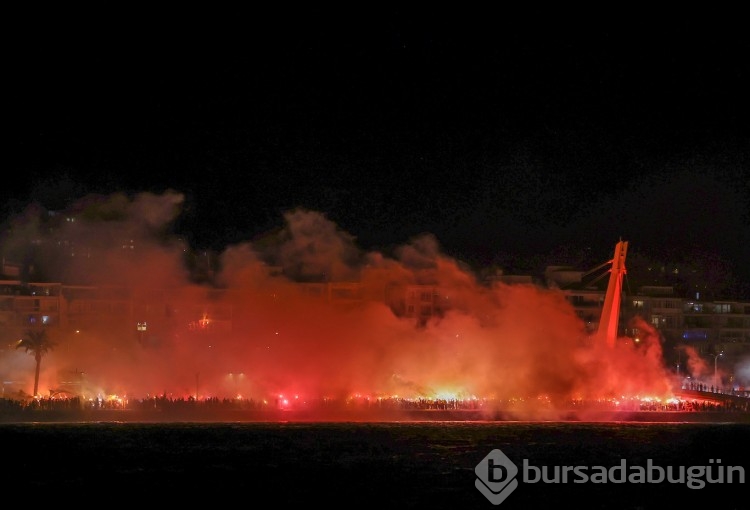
365 465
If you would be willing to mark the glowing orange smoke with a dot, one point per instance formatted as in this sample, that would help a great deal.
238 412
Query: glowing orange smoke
498 343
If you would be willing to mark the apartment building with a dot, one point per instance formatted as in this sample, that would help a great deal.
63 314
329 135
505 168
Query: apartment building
710 327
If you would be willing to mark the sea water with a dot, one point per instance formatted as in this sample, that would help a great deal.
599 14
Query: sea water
379 465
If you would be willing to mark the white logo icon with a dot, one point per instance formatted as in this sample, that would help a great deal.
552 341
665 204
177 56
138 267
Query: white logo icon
496 476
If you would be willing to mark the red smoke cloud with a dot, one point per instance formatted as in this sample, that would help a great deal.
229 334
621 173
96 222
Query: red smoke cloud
498 342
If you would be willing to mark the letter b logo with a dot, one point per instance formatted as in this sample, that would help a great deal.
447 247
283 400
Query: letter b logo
496 472
496 476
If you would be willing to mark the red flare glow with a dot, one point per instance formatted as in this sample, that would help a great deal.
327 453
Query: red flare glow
359 341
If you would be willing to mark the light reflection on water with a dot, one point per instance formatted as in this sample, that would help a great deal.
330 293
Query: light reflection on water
409 464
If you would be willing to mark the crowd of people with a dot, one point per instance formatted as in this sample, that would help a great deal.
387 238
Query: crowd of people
206 406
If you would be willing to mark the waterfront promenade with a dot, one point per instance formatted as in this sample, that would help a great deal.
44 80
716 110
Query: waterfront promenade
165 410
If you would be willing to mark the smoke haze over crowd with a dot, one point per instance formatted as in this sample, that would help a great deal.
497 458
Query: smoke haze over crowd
496 341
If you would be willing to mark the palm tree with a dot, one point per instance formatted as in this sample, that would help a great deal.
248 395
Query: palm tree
38 343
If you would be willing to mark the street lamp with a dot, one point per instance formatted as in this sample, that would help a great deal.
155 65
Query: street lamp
716 358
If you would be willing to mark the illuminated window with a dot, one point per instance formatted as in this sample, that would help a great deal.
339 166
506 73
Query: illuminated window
694 307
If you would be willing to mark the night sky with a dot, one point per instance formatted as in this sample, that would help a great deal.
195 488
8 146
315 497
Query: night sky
506 140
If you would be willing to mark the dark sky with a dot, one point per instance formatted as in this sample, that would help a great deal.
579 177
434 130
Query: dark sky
502 138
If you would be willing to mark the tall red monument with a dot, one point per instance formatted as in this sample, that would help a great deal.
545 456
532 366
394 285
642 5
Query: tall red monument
611 311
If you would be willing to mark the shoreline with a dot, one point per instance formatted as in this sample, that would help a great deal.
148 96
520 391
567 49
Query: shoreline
365 416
